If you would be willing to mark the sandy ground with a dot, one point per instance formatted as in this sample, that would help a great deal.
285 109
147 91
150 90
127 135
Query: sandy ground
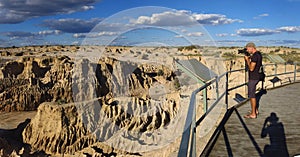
12 119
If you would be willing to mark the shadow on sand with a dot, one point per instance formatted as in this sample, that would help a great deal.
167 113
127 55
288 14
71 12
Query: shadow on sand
11 140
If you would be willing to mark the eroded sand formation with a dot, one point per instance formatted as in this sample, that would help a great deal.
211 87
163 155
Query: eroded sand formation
72 103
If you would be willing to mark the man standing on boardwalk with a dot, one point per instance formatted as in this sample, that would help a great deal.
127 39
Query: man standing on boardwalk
254 63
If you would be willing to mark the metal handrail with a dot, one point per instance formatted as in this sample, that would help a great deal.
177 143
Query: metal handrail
188 142
191 123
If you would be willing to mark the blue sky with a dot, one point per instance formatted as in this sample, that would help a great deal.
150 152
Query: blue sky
146 22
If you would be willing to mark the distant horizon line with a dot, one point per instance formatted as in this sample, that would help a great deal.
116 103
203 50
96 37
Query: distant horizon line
199 46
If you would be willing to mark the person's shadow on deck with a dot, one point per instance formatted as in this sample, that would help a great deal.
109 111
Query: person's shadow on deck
258 96
275 130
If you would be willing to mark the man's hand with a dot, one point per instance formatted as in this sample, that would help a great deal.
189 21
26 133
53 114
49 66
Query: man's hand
251 65
247 58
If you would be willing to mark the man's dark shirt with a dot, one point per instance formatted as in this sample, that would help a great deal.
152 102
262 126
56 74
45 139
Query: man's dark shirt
257 58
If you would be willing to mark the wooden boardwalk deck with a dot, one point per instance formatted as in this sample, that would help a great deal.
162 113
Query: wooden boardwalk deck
252 137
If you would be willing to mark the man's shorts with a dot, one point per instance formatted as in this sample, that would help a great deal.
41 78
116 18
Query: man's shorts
252 88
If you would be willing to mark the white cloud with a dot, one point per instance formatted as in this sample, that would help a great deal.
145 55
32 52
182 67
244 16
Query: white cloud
49 32
255 32
94 34
31 35
85 8
107 34
18 34
195 34
214 19
262 31
222 35
79 35
261 15
183 18
179 36
168 18
184 31
290 29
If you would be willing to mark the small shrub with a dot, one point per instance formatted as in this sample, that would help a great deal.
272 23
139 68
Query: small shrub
176 84
61 101
160 72
229 55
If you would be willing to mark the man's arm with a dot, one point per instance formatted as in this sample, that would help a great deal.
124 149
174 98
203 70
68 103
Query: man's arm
250 64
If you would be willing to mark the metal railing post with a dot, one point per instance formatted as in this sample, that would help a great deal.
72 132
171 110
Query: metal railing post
226 90
246 80
275 70
193 138
285 67
186 136
217 87
295 71
204 93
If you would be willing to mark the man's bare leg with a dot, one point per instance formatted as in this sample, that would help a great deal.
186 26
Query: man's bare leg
253 107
